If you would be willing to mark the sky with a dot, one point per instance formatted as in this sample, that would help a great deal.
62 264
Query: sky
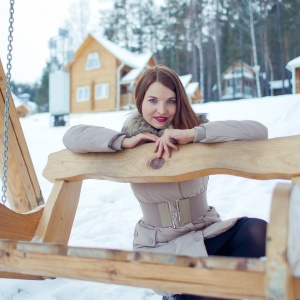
100 201
35 22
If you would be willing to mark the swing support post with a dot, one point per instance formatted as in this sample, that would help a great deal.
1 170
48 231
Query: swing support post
23 190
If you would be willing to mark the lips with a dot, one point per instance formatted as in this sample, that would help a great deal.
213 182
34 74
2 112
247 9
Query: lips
161 119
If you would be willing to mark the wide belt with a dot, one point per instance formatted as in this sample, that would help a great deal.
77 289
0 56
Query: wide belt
183 212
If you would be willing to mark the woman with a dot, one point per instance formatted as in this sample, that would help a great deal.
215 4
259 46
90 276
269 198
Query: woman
166 118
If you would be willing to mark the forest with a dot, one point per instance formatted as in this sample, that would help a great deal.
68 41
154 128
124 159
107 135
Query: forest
199 37
205 37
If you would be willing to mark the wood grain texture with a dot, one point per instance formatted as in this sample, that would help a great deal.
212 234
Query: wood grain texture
23 192
279 280
268 159
17 226
294 228
58 216
131 268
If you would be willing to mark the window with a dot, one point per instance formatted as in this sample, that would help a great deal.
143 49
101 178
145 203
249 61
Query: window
102 91
93 61
83 94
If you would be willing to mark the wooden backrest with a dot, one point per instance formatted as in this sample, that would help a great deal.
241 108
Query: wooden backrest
277 158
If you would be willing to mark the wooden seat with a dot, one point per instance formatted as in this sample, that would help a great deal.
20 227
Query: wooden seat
233 278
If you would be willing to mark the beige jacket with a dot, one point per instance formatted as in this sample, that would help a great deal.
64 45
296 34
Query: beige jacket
180 238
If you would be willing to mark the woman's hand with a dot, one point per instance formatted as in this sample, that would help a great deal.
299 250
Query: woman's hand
180 136
139 139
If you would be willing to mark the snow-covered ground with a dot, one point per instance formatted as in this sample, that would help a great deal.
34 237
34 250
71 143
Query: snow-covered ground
104 219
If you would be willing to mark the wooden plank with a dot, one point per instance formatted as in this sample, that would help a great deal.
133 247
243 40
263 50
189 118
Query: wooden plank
293 228
279 280
58 216
10 275
210 262
296 180
24 193
268 159
18 226
82 264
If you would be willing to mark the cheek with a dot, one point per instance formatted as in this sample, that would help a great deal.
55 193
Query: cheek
174 110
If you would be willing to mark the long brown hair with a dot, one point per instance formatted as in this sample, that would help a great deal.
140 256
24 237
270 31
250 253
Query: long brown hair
185 117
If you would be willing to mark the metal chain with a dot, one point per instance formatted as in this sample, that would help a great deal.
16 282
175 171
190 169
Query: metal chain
7 98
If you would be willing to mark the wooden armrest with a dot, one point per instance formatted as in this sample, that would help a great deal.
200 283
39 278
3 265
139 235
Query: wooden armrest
269 159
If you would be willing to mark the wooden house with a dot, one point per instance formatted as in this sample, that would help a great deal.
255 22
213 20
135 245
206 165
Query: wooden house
192 88
23 106
238 82
294 67
279 87
102 75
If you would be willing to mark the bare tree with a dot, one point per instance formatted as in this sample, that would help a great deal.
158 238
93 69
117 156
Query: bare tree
256 67
217 47
78 24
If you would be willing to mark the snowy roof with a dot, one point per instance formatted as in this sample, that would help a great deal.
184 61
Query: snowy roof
277 84
31 106
185 79
294 63
17 101
130 59
131 76
191 88
240 75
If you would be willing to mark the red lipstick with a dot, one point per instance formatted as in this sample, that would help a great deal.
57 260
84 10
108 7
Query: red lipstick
161 119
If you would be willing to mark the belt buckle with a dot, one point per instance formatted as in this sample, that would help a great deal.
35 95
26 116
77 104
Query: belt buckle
182 213
175 215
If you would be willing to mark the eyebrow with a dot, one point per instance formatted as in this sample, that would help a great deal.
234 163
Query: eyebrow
171 98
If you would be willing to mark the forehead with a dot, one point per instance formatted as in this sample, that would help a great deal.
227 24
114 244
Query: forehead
159 90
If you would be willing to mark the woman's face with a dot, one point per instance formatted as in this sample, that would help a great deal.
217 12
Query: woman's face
159 106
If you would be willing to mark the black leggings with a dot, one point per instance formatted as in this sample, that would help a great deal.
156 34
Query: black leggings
247 238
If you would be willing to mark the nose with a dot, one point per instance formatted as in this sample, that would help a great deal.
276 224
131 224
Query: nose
161 109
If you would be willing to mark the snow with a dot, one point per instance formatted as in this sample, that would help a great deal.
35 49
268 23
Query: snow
294 63
129 58
108 211
277 84
185 79
131 76
191 88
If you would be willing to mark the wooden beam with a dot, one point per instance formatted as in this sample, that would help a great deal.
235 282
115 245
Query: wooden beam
279 278
17 226
23 192
10 275
142 269
293 249
269 159
58 216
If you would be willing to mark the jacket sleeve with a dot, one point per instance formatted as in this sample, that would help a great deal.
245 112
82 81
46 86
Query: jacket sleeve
85 138
224 131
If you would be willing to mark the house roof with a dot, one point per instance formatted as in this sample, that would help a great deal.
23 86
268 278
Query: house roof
191 88
131 76
239 64
185 79
130 59
294 63
277 84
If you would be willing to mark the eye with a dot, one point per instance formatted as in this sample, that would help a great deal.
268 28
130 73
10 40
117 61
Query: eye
172 101
152 100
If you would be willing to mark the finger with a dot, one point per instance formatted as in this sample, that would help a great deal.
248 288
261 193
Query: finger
167 150
156 145
160 150
171 145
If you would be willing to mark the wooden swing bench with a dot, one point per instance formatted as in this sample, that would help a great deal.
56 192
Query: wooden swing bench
41 249
34 237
